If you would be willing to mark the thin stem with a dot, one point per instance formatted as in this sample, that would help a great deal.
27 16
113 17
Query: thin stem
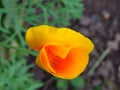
48 83
98 62
18 49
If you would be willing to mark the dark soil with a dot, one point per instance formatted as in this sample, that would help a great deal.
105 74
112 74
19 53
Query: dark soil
101 23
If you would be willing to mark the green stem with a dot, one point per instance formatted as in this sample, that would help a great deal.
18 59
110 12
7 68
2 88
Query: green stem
18 49
98 62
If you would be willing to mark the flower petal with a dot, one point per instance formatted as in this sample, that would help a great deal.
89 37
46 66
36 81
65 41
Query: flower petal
38 36
57 48
69 67
43 62
74 64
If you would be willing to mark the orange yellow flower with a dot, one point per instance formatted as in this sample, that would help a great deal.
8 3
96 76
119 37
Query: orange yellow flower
63 52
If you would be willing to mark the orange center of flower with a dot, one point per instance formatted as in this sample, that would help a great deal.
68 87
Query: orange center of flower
63 61
57 57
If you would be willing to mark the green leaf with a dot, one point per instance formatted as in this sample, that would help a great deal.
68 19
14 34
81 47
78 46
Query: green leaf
97 88
78 82
62 84
15 76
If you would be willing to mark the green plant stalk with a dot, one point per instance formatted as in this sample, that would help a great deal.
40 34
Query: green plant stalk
18 49
98 62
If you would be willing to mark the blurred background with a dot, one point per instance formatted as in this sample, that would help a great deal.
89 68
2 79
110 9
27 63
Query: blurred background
99 20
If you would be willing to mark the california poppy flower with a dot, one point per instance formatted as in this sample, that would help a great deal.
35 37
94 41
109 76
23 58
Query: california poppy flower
63 52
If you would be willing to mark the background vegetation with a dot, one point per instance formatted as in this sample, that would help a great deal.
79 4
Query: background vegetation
100 22
15 17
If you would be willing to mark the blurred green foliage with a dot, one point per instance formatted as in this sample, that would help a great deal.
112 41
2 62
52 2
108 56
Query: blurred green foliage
15 76
62 84
75 84
15 17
